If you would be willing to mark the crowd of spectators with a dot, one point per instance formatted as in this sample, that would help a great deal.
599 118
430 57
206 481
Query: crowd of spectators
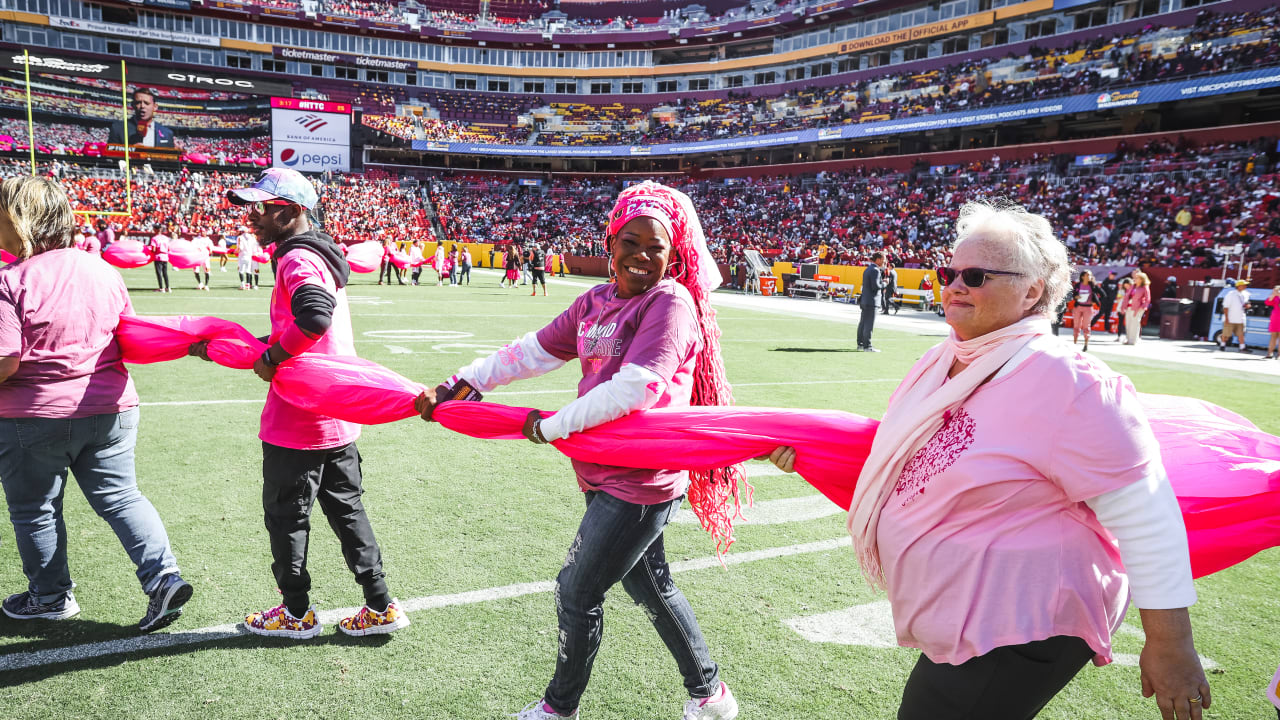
1213 44
1162 204
354 208
1157 205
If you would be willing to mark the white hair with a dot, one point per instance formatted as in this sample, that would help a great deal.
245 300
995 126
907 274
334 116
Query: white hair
1036 251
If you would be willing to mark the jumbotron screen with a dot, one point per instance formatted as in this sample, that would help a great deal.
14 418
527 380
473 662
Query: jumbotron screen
310 135
78 107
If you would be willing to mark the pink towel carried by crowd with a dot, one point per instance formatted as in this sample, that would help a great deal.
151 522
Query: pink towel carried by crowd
127 254
1224 470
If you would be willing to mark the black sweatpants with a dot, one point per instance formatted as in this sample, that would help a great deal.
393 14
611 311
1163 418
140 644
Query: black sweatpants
162 274
1014 682
292 482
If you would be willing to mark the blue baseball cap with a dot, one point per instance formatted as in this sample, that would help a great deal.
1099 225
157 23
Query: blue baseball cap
277 183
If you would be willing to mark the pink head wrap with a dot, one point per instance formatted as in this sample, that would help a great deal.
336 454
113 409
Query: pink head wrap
674 211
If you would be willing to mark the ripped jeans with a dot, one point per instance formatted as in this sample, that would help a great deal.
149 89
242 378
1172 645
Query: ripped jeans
618 540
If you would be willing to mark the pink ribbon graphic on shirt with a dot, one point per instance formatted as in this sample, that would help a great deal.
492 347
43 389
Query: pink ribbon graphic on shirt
1224 470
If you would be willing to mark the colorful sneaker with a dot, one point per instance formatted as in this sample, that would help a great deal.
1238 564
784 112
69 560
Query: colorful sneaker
540 710
279 622
24 606
371 622
166 603
720 706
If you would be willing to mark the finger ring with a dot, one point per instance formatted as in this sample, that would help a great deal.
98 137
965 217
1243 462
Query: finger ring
1195 699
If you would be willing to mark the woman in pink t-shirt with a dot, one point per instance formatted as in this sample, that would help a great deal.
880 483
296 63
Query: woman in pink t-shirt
648 340
1273 327
68 407
1136 302
1009 542
1085 295
158 246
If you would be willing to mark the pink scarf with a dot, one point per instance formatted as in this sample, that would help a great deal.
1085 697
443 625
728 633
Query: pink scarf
917 409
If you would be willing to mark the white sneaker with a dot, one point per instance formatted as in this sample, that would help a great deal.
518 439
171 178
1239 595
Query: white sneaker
720 706
539 710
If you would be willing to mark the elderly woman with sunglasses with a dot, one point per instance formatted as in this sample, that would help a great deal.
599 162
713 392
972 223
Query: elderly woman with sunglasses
993 526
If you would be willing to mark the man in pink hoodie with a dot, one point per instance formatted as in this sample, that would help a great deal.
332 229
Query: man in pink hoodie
308 458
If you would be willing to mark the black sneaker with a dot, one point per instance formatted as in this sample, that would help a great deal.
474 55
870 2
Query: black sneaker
166 603
24 606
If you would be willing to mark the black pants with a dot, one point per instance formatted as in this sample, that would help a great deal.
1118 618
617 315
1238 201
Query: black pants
162 274
1106 316
886 297
292 482
464 271
538 277
867 322
1009 683
388 268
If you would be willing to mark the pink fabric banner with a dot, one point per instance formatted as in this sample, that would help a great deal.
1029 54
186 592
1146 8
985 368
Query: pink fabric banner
127 254
1224 470
184 255
365 257
401 260
156 339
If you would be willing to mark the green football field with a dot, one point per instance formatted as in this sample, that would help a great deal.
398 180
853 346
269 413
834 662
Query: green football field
473 532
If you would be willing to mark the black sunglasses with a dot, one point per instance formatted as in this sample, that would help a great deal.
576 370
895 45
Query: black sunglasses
973 277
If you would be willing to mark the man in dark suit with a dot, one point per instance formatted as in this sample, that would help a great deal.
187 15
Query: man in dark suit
143 128
872 284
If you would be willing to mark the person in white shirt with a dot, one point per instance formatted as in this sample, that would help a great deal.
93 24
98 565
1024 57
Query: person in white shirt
416 260
439 259
222 254
246 246
202 242
1234 306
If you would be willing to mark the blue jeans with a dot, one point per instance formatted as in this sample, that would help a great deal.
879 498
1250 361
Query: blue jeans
35 455
618 540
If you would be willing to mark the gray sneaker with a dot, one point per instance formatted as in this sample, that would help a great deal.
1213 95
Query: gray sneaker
166 603
24 606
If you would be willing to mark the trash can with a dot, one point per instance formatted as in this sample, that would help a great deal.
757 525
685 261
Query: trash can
768 284
1175 318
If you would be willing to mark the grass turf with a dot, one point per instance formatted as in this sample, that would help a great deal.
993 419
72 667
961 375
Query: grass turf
454 514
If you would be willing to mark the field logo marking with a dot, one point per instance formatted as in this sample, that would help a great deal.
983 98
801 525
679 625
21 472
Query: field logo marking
871 625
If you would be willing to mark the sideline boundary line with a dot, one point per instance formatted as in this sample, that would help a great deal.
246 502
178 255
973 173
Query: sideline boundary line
147 643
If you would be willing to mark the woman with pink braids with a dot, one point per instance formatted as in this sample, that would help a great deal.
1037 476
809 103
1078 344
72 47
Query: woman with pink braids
647 340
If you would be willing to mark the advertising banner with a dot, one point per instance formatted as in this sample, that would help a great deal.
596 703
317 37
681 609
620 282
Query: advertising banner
131 31
322 56
307 136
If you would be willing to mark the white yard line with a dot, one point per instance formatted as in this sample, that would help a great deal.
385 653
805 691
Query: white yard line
203 402
160 641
